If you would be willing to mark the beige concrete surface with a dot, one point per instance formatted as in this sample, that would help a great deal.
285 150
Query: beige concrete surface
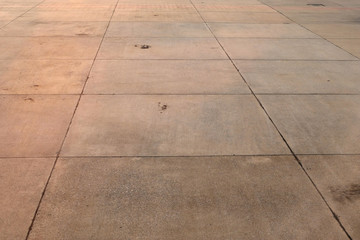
222 101
170 125
165 77
338 178
22 183
183 198
322 124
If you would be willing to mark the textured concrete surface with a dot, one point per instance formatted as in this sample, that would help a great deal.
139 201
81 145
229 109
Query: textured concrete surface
179 119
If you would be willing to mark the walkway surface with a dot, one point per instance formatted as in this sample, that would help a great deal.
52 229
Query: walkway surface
179 119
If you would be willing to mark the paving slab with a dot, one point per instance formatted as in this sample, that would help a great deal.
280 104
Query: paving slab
236 30
245 17
317 124
171 125
43 76
156 29
41 48
338 179
309 77
66 16
228 2
233 8
350 45
54 29
34 125
281 49
165 77
10 15
22 183
299 3
335 30
157 7
76 6
156 16
334 17
160 48
183 198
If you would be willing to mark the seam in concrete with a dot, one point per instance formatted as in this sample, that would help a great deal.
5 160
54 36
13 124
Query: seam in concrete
277 129
68 128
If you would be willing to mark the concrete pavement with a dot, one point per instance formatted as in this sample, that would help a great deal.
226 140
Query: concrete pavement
179 119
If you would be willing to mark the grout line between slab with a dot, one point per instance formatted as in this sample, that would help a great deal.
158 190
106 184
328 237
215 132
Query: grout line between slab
336 217
68 128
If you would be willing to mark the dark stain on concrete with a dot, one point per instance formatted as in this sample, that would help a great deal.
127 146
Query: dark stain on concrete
348 193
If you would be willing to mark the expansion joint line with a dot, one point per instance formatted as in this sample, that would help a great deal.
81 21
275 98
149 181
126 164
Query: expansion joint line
271 120
70 123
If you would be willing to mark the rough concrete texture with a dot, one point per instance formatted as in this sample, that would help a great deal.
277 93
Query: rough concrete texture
179 119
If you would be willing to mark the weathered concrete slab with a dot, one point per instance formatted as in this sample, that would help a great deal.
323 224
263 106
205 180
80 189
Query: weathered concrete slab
156 16
183 198
161 48
245 17
283 49
310 77
66 16
156 7
236 30
327 124
350 45
34 125
335 30
233 8
33 76
326 17
154 29
47 48
171 125
54 29
165 77
338 179
22 183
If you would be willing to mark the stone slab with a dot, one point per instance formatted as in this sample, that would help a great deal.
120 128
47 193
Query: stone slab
310 77
34 125
335 30
183 198
155 29
156 16
245 17
66 16
47 48
317 124
236 30
33 76
350 45
283 49
54 29
161 48
171 125
233 8
338 179
165 77
22 183
327 17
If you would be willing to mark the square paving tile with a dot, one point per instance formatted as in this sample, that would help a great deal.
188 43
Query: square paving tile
277 49
43 76
156 7
65 16
327 17
156 16
350 45
161 48
338 179
237 30
171 125
33 125
37 48
301 76
328 124
165 77
155 29
244 17
22 183
183 198
335 30
9 15
233 8
57 29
